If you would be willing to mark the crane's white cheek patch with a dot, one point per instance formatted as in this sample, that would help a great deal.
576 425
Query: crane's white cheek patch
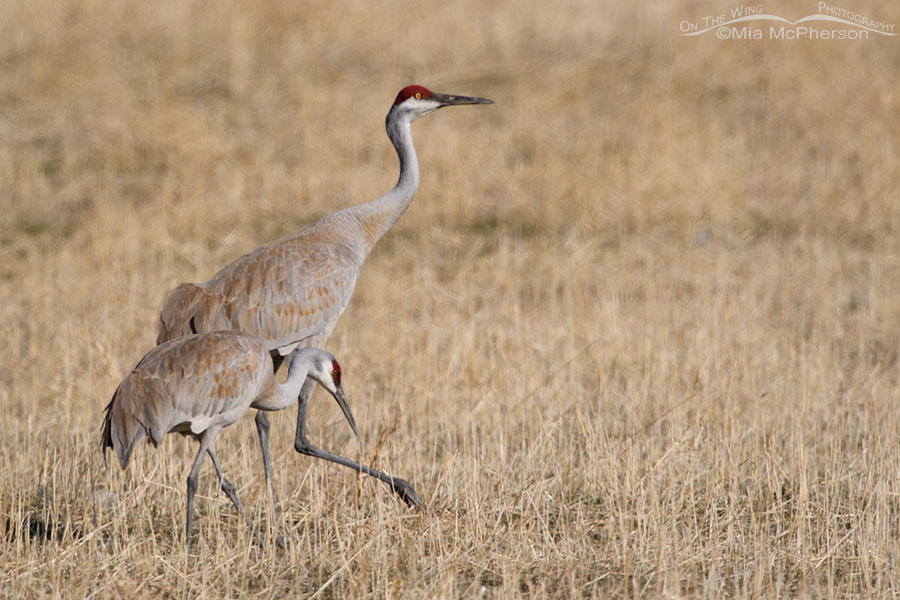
419 108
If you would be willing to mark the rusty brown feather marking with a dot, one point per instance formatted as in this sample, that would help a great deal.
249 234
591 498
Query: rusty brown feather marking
373 228
267 293
189 378
180 301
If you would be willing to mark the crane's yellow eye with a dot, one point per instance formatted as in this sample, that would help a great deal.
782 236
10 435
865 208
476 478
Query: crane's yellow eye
418 95
334 373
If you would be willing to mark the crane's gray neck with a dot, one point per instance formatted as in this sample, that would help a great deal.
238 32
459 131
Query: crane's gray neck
381 214
399 130
302 362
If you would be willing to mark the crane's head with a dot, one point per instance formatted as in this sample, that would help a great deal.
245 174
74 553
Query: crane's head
326 372
416 101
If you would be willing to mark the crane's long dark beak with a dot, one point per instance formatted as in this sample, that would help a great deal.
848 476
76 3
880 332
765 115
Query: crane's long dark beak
342 402
451 100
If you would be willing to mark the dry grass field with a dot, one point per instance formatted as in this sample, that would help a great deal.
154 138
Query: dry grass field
637 336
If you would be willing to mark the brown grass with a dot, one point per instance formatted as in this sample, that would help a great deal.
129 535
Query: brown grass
638 333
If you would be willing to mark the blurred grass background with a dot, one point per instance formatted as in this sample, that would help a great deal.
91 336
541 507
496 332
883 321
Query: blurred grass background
637 334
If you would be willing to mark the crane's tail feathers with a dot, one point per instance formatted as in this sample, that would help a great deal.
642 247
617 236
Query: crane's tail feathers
121 430
106 434
176 317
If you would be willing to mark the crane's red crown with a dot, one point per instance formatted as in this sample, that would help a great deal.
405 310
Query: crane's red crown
336 372
412 91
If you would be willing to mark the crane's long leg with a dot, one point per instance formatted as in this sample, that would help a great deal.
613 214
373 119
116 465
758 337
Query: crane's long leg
262 429
399 486
228 488
191 490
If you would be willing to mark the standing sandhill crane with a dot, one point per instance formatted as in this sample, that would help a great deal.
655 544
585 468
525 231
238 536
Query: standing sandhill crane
290 292
200 384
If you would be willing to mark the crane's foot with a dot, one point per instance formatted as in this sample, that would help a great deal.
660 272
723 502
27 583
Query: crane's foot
402 488
279 540
260 542
269 535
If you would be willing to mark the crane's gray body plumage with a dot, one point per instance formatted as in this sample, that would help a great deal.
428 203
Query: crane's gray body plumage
283 293
186 385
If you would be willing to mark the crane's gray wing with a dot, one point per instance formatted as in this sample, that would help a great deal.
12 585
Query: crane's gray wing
194 381
280 293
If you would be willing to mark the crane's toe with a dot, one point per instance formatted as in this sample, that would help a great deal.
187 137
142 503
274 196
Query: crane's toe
279 540
407 493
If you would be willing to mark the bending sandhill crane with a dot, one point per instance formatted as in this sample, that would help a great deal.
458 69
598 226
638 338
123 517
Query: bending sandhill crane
290 292
200 384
